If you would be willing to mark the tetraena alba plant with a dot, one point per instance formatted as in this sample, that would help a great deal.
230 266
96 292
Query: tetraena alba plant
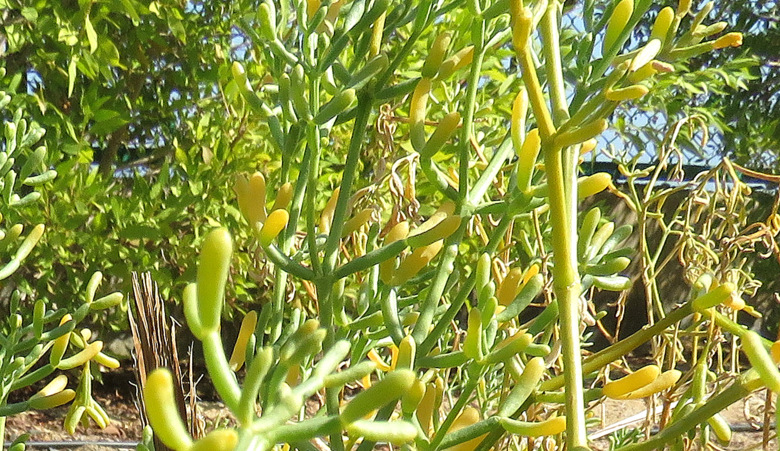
441 298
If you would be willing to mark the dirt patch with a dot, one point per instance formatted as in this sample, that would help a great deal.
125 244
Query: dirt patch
123 432
745 418
46 425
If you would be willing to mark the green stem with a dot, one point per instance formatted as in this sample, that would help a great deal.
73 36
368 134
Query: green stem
535 95
561 175
436 177
285 240
445 267
7 410
277 303
389 304
463 399
730 326
350 169
437 287
31 378
478 38
421 23
496 9
370 259
324 293
623 347
325 280
306 430
313 144
470 432
287 264
283 264
425 346
488 176
277 300
3 402
560 109
552 59
279 256
221 375
566 285
608 57
444 322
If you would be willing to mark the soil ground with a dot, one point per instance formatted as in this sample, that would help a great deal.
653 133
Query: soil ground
116 396
745 417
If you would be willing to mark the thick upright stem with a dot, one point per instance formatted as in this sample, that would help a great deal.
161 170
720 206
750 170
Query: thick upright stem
566 284
350 168
324 293
563 210
325 279
553 65
535 95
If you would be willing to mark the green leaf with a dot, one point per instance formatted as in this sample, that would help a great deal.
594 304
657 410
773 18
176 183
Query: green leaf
138 231
72 74
177 28
104 115
108 126
30 14
67 36
91 35
14 37
131 12
88 66
110 53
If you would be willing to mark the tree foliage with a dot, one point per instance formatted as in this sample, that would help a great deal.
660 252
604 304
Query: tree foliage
752 114
132 97
734 91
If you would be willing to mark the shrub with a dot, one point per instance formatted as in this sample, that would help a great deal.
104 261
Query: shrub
23 344
427 312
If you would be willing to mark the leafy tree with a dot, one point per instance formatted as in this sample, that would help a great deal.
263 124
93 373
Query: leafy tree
734 91
752 115
121 82
134 89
